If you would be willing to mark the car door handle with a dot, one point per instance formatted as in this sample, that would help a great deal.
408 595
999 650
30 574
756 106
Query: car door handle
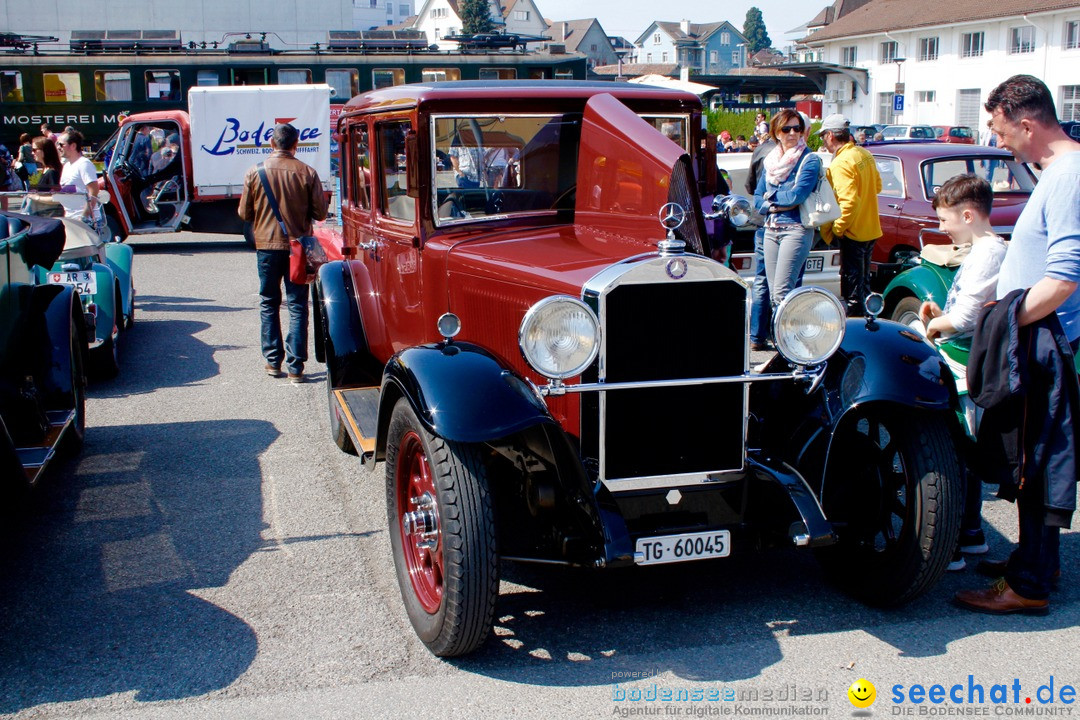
894 206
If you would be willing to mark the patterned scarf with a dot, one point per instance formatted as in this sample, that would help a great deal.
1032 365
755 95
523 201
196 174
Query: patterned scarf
778 164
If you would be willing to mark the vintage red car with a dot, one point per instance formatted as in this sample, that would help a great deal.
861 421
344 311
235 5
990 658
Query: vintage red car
911 173
528 328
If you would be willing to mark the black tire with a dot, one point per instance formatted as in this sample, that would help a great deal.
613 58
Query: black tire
449 594
894 492
907 311
115 228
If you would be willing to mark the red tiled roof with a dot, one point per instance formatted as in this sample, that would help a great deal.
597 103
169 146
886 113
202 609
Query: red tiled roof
879 16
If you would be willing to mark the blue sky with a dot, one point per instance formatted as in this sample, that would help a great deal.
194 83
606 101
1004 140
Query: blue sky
630 18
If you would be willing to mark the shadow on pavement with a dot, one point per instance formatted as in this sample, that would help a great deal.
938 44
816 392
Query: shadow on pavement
157 521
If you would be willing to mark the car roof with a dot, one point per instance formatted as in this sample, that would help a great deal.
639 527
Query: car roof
931 150
401 96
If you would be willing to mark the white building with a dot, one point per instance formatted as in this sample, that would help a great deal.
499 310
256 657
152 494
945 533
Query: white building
945 58
439 18
288 24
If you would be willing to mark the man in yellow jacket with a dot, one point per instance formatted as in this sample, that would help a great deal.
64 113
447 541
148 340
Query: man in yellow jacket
856 181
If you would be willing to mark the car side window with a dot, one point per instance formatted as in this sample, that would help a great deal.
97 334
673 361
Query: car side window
360 167
393 164
892 176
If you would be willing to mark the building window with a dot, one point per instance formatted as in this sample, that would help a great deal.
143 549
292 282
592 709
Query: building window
1021 40
1070 102
928 49
648 57
294 76
663 57
1072 34
927 96
971 45
440 74
207 78
387 78
345 83
163 85
112 85
725 38
521 14
885 108
656 39
888 52
736 57
389 8
438 13
714 57
849 55
373 3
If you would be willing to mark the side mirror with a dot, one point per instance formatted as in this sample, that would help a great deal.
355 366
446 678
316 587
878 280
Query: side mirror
736 209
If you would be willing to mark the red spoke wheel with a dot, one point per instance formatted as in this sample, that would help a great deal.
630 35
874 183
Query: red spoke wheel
442 533
894 493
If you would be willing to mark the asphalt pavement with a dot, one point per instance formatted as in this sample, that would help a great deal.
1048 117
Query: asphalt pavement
211 554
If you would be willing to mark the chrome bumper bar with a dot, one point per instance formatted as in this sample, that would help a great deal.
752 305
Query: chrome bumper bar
811 375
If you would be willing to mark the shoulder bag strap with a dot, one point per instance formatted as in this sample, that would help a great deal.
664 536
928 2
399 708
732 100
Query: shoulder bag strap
272 200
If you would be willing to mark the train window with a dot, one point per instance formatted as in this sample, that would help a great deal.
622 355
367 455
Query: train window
294 76
567 74
498 74
163 85
396 202
112 85
11 86
440 74
345 83
387 78
207 78
360 192
248 76
62 87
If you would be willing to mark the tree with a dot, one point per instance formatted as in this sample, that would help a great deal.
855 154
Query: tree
475 17
757 37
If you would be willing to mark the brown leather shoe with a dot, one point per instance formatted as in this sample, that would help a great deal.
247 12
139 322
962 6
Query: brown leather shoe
273 370
297 378
1000 599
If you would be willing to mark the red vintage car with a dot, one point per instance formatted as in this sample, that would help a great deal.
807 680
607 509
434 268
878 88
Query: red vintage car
911 173
528 328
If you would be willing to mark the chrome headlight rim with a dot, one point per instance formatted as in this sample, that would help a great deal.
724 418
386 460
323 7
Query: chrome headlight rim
531 317
798 296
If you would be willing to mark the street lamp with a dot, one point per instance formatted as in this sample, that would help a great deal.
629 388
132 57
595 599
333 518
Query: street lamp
899 88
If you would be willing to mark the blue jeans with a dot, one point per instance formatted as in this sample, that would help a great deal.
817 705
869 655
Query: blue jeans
786 249
273 269
760 306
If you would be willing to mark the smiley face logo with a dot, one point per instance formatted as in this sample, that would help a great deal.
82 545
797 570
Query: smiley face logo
862 693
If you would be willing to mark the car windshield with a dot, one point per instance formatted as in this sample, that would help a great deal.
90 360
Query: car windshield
496 166
1004 174
960 132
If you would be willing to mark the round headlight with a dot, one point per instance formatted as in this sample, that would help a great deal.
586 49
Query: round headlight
559 336
809 326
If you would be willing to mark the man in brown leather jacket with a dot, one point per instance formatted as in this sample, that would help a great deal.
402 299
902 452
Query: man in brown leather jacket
300 199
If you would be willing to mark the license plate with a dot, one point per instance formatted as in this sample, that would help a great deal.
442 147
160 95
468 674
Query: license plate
680 548
815 264
85 281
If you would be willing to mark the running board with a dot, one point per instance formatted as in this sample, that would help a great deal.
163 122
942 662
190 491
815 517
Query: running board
36 458
358 409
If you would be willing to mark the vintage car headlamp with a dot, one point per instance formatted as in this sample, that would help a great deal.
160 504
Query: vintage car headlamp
809 326
735 208
559 336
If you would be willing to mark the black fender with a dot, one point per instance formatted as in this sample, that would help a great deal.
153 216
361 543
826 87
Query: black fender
340 341
62 308
879 362
460 392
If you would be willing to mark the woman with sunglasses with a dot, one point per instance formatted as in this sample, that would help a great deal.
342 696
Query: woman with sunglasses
790 172
48 160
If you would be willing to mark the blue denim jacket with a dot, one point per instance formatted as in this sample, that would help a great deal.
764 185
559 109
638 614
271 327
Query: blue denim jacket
793 191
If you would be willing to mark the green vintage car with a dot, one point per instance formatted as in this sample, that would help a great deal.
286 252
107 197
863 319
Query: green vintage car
42 352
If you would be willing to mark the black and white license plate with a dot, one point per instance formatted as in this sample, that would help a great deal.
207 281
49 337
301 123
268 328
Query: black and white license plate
85 281
680 548
815 263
